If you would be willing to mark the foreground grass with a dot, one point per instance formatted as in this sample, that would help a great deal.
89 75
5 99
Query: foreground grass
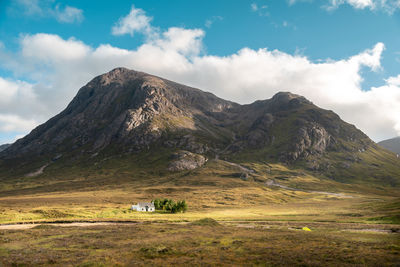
200 243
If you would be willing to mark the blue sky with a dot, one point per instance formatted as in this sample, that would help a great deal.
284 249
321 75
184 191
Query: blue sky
344 55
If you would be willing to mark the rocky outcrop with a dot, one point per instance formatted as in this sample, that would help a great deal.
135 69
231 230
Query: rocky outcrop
259 133
185 160
310 140
188 142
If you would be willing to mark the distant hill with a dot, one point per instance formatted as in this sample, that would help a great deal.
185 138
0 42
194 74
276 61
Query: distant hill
167 127
391 144
3 147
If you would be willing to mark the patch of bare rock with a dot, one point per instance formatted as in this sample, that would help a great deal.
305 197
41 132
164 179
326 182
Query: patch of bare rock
185 160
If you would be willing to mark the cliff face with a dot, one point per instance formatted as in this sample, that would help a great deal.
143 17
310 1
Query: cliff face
125 111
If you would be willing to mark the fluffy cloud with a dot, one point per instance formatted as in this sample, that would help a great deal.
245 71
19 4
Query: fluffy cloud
135 21
47 8
47 48
59 67
11 123
16 98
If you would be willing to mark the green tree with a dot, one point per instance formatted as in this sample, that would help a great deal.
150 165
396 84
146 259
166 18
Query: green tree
182 206
157 204
169 205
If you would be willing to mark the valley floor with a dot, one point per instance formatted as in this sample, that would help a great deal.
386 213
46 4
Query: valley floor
247 203
356 231
258 221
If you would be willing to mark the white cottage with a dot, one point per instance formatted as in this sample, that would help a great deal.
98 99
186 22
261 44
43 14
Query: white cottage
144 206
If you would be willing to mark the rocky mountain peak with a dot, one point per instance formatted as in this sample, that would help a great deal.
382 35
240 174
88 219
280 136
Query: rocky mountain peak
119 75
134 111
285 98
157 122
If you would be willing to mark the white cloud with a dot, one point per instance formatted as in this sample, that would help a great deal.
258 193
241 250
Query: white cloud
360 4
212 20
183 41
388 6
13 89
19 107
68 14
47 9
7 90
135 21
261 10
47 47
394 81
30 7
208 23
11 123
60 67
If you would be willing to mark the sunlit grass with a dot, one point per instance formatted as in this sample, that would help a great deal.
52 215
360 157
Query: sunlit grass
213 191
114 206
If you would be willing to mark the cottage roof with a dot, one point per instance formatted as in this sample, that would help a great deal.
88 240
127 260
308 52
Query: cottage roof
143 204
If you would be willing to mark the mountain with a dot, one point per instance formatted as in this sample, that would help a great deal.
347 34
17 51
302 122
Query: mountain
3 147
391 144
125 113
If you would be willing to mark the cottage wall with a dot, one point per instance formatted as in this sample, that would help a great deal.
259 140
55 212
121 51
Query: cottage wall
142 207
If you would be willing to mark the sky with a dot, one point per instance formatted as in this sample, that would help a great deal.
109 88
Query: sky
343 55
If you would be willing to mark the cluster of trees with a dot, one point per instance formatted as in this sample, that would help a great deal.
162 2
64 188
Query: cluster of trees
170 205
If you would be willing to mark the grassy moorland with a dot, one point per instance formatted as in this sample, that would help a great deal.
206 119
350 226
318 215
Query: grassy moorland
258 223
203 242
215 190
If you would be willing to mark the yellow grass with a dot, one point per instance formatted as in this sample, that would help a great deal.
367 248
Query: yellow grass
251 203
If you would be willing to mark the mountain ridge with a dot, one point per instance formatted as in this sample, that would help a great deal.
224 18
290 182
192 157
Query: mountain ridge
392 144
125 111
